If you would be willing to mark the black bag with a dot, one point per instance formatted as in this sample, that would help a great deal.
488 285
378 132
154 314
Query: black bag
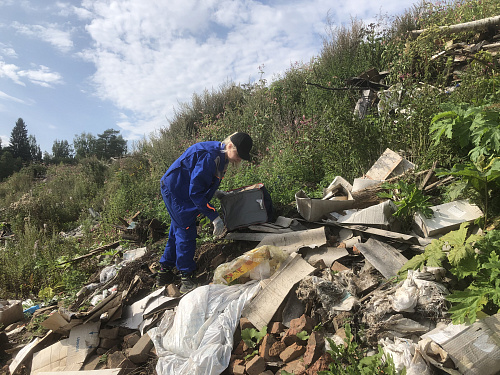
246 206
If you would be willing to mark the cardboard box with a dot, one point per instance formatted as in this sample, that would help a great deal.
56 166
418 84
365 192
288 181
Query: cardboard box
10 312
447 217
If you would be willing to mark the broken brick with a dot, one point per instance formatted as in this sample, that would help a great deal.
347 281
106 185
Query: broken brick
338 267
315 348
292 352
118 360
245 323
237 367
109 333
108 343
256 365
304 323
265 346
276 349
322 364
131 339
294 367
277 328
172 291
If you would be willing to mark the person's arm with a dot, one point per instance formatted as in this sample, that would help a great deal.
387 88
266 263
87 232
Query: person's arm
201 181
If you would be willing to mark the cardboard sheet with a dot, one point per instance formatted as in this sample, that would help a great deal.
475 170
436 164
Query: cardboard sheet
82 341
262 308
291 242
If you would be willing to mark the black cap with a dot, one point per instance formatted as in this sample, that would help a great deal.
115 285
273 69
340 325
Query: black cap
243 143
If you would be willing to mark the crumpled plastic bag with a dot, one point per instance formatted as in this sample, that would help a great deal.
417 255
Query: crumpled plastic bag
257 264
405 355
418 289
198 338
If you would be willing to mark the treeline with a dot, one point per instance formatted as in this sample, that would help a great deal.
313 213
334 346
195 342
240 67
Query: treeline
24 150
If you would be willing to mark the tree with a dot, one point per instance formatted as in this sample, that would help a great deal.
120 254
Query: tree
84 145
110 144
61 150
9 164
19 142
35 151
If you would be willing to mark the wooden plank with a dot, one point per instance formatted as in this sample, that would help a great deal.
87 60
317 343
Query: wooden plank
385 258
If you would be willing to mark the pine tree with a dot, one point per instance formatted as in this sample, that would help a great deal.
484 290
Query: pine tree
19 142
35 151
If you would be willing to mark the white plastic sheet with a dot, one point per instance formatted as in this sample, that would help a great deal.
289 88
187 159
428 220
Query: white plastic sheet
198 338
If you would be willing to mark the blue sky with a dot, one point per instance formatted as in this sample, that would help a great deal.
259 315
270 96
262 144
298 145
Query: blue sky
68 67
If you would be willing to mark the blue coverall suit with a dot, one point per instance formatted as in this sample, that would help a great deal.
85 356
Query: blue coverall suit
187 188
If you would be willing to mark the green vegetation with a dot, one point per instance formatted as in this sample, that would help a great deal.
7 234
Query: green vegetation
305 134
251 337
351 359
474 262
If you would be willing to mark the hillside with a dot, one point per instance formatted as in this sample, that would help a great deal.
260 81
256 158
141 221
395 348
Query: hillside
415 86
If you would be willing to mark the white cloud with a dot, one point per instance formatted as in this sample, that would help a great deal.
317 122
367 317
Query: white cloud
10 71
151 55
41 76
7 51
4 96
51 33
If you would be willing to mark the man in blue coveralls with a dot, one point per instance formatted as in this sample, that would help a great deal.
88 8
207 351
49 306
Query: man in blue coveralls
187 188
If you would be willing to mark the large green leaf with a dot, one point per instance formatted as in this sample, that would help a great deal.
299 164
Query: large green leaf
466 304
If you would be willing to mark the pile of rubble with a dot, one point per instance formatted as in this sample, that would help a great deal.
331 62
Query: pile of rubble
295 281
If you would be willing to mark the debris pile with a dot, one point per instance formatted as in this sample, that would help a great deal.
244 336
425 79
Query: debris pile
274 298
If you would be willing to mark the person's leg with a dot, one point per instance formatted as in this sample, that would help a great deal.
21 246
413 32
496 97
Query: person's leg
168 259
186 248
169 254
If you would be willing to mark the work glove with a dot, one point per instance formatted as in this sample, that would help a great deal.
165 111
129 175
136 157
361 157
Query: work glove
219 194
218 226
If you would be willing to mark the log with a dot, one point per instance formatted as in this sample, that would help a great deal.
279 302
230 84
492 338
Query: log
479 24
